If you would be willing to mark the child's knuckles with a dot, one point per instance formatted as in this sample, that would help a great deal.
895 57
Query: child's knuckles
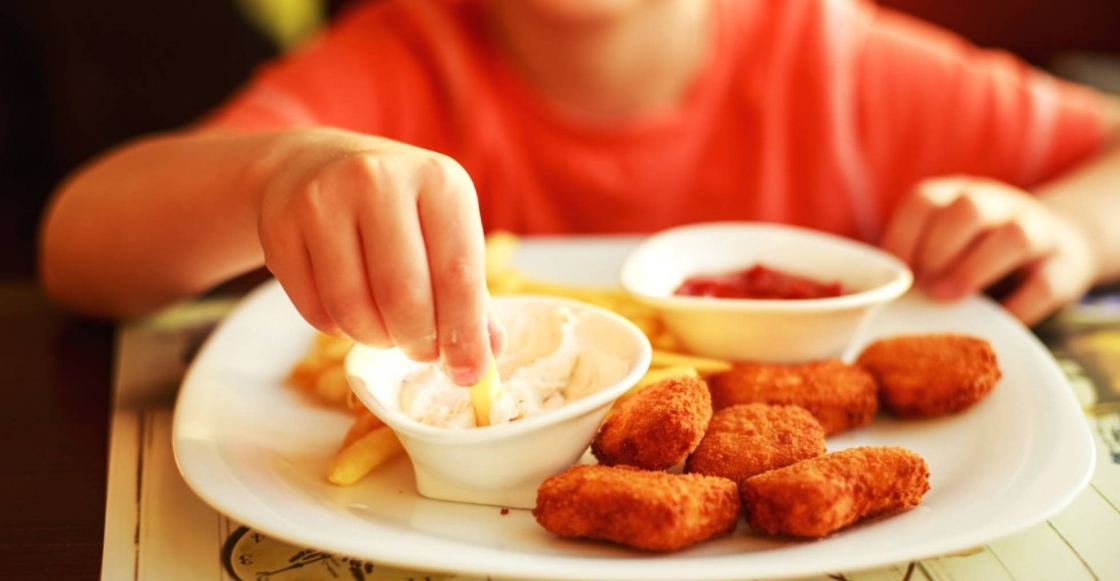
312 205
354 167
965 211
936 193
443 175
346 179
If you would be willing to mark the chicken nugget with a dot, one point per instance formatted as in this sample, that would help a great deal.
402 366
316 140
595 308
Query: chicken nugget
658 427
655 511
818 496
748 439
840 396
925 376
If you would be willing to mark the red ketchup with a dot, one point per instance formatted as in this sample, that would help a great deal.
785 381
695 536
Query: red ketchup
757 282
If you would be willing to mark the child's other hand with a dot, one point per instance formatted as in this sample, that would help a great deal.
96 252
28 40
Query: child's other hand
381 241
961 235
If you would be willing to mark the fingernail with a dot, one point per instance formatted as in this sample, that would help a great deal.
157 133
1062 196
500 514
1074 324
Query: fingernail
463 376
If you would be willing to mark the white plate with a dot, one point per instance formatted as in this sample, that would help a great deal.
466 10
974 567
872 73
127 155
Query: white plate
255 450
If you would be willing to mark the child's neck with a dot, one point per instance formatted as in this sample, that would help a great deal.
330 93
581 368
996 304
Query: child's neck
609 68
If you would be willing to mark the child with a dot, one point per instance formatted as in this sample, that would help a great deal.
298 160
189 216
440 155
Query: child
363 169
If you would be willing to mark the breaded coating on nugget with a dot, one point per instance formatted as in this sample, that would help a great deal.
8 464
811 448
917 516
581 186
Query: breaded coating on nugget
655 511
924 376
658 427
839 395
815 497
748 439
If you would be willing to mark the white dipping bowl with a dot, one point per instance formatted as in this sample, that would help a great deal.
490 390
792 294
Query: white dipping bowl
502 465
775 331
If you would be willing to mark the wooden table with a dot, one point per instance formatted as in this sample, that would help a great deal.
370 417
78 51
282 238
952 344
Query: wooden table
54 414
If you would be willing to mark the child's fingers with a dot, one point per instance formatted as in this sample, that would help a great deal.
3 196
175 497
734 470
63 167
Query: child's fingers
399 274
1062 273
906 228
951 230
337 263
993 257
453 233
1036 296
287 259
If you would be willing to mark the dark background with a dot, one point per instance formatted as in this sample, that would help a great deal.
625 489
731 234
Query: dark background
77 76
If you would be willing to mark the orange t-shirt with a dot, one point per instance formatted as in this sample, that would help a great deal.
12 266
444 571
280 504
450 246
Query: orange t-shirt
819 113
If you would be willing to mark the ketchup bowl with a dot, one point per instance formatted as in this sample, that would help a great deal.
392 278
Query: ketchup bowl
820 289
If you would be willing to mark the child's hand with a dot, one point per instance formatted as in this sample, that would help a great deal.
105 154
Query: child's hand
960 235
381 241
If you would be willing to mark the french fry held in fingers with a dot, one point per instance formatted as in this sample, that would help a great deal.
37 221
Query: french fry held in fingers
363 455
484 393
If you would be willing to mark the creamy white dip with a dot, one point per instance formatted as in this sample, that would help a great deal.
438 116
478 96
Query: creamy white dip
542 368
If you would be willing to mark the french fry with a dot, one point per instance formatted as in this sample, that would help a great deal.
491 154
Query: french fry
705 366
355 405
332 386
363 455
650 326
332 348
609 298
305 373
654 375
320 373
484 393
363 424
665 341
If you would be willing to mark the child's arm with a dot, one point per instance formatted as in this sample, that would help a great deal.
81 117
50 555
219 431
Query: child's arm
962 234
372 237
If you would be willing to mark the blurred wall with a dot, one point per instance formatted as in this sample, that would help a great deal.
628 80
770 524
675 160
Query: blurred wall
77 76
